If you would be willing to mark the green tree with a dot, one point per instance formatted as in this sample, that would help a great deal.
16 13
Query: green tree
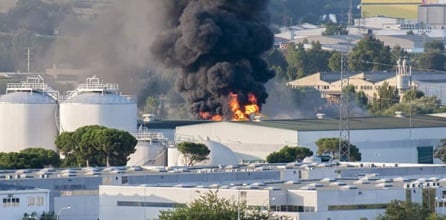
335 29
412 94
317 59
193 152
434 46
31 158
116 145
289 154
96 145
370 54
211 207
397 53
37 16
331 146
334 62
440 151
431 61
407 210
386 97
40 157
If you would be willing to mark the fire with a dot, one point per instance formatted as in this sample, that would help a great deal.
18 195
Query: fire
208 116
239 113
243 113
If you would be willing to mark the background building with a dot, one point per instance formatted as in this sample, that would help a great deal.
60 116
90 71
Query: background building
390 8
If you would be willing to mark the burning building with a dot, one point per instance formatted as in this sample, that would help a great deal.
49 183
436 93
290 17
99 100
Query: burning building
216 45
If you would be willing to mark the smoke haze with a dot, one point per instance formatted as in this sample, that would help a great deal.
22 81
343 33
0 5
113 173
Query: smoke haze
217 46
114 45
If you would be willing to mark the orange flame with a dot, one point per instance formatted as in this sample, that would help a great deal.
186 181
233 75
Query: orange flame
208 116
239 113
243 113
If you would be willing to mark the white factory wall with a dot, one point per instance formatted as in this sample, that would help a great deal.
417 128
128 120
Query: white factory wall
29 201
118 116
81 206
382 145
27 125
378 145
155 197
249 142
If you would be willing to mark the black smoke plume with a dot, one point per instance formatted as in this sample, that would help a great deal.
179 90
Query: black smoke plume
217 45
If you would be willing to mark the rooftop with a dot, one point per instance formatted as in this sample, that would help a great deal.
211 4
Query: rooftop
418 121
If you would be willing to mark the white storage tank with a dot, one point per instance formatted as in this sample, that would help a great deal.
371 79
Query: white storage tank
28 116
96 103
151 150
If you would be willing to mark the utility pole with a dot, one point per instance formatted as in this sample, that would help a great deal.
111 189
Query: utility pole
344 116
350 13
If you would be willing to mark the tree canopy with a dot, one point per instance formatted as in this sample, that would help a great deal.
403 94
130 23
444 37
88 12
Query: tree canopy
96 145
289 154
331 146
370 54
30 158
211 207
193 152
407 210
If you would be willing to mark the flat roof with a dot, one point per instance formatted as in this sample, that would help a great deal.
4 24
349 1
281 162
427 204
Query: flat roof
418 121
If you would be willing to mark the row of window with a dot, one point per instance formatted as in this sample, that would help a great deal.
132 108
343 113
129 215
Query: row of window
36 201
356 87
10 202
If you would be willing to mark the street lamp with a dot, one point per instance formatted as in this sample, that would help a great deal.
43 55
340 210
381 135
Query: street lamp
60 211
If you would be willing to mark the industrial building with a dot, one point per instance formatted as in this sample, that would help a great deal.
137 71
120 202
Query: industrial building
390 8
381 139
319 191
20 200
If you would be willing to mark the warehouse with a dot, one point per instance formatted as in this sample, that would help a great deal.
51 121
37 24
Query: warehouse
379 139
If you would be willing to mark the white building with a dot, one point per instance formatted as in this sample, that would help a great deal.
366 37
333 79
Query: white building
326 198
380 139
18 200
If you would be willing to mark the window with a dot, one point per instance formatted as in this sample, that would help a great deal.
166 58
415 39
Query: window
11 201
36 201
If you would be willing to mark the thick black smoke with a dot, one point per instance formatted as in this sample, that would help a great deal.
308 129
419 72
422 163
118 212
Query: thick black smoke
217 45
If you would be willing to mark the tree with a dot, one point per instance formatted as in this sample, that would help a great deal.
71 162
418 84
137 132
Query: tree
96 145
31 158
387 96
113 143
370 54
431 61
406 210
397 53
289 154
335 29
193 152
440 151
40 157
331 146
334 62
211 207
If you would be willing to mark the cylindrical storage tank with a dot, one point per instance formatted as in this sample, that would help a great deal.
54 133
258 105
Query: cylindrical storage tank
98 104
172 156
402 82
147 154
27 119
